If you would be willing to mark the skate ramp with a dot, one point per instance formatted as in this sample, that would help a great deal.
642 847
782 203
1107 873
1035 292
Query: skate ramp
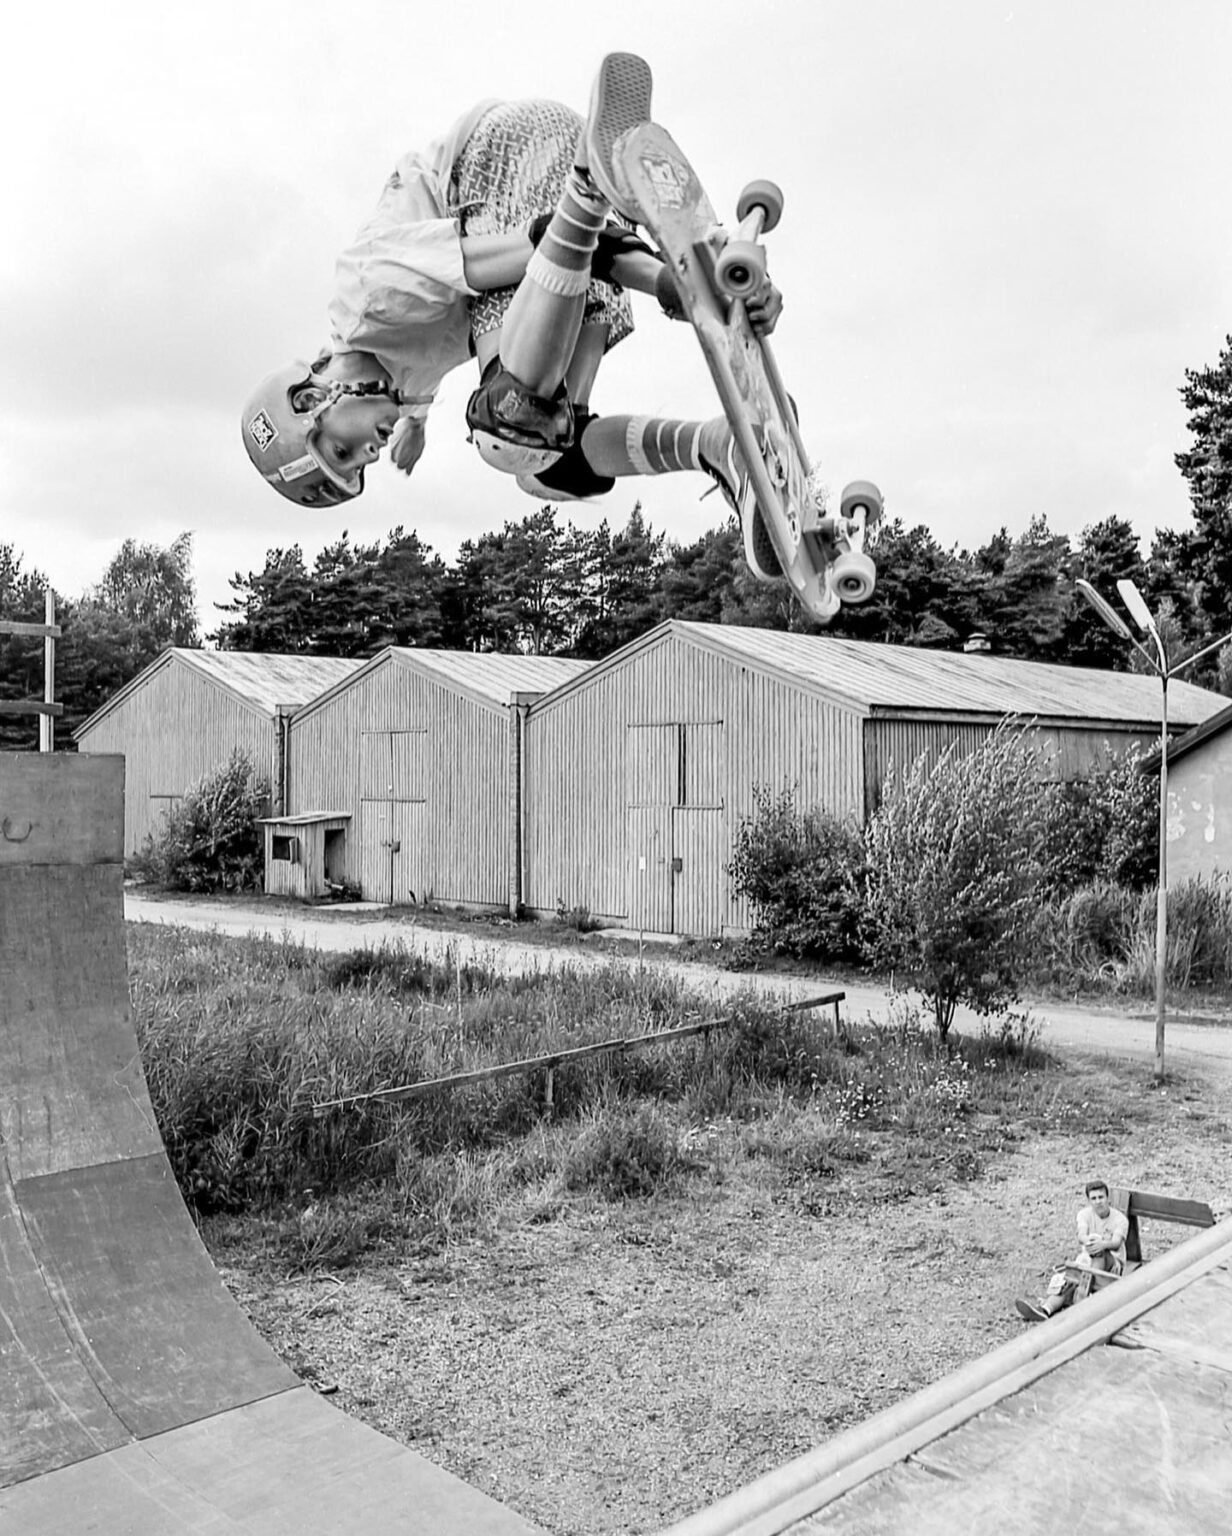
135 1397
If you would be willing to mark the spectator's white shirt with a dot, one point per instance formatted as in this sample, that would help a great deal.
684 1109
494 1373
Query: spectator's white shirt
400 290
1115 1226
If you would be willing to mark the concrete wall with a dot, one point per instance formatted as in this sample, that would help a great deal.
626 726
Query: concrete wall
1200 811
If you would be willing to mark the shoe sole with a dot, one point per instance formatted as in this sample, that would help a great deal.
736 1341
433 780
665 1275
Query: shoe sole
760 554
619 102
1031 1312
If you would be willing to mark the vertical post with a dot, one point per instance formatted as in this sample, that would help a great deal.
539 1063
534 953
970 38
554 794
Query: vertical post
1161 912
47 740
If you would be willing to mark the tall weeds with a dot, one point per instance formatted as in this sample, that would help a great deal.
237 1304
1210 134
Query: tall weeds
1103 938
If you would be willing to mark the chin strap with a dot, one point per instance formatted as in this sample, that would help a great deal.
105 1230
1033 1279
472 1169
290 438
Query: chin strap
335 390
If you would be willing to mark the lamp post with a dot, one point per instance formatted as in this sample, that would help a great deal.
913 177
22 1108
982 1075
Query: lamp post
1141 615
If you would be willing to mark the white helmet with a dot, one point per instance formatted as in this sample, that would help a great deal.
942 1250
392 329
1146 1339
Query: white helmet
280 426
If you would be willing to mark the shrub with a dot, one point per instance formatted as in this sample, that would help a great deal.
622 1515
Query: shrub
210 840
955 867
1103 829
802 873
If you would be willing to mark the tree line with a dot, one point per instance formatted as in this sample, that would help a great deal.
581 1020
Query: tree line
546 586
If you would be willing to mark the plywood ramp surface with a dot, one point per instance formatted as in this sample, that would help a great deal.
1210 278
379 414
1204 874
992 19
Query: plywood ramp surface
135 1396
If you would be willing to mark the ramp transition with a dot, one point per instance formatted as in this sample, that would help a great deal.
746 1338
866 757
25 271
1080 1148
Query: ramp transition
135 1397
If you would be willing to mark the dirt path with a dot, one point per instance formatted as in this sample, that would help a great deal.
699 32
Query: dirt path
1125 1029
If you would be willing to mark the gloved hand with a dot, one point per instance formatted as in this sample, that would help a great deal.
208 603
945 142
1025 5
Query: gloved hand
668 295
615 240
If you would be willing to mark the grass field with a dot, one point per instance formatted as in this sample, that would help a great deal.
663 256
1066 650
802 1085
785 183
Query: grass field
705 1257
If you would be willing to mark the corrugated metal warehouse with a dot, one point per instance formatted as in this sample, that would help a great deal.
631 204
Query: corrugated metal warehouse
185 714
421 749
638 773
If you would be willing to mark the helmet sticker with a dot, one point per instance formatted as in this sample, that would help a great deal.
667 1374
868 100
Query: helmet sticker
298 468
262 430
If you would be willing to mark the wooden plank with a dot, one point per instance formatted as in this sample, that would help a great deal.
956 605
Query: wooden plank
13 627
1189 1213
29 707
61 808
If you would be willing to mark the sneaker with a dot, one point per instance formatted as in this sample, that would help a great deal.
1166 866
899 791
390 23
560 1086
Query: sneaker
729 474
1032 1311
619 101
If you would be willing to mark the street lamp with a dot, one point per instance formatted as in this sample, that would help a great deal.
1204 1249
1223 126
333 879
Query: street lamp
1141 615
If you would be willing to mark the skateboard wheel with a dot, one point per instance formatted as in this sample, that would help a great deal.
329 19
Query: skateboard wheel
861 495
854 576
765 195
741 269
825 605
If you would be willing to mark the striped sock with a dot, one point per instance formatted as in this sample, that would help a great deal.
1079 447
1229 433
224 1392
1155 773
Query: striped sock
657 447
561 261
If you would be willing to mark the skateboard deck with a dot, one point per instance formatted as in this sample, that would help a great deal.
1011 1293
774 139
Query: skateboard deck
790 534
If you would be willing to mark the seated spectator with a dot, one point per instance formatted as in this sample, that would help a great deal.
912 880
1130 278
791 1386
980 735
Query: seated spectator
1101 1246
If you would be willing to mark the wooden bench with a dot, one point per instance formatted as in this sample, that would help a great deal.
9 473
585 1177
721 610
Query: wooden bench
1139 1205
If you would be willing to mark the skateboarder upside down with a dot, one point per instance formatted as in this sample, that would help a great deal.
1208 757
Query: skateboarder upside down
508 241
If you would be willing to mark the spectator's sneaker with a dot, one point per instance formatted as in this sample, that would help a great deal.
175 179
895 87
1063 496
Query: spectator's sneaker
1032 1311
619 101
727 471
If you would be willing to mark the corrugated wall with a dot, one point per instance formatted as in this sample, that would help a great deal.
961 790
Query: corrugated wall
1068 753
173 729
418 765
656 760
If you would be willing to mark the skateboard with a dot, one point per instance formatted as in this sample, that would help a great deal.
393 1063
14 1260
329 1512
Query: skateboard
791 533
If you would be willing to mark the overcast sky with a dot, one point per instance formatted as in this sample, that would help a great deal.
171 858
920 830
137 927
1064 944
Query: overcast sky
1007 233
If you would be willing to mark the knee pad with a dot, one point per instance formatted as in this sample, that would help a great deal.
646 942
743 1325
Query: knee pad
515 430
570 478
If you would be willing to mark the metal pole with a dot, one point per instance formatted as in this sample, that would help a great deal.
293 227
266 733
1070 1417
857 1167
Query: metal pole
1161 915
47 742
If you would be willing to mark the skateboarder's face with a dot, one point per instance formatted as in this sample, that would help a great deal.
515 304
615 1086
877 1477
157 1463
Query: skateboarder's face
1098 1199
352 432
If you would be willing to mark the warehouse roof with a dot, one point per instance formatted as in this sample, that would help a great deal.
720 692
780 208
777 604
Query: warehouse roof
896 679
900 677
265 683
486 676
1215 726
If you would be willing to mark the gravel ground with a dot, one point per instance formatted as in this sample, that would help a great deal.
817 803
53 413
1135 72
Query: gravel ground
621 1366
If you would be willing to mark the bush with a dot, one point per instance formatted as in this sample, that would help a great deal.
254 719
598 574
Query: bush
956 863
802 872
210 840
1103 829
